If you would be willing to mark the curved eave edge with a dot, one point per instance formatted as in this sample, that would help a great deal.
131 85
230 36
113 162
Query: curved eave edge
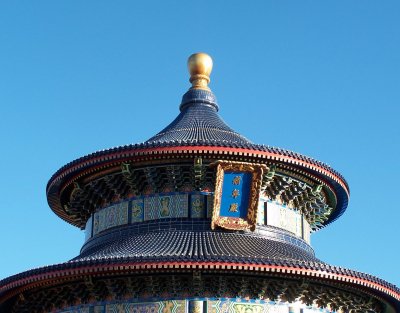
12 285
253 149
117 155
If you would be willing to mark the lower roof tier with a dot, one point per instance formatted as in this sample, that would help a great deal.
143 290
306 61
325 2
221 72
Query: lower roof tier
188 244
145 260
128 264
189 240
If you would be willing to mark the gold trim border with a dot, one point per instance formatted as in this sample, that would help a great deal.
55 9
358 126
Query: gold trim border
233 223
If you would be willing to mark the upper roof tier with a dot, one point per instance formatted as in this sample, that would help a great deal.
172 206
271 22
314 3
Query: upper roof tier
199 123
198 131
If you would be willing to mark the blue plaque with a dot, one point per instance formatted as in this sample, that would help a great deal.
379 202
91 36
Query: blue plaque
235 194
237 190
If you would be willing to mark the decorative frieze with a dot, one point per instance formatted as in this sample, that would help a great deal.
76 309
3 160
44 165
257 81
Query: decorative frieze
152 207
195 205
166 206
197 305
109 217
202 305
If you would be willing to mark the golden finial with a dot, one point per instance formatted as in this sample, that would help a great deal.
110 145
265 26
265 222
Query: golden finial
200 67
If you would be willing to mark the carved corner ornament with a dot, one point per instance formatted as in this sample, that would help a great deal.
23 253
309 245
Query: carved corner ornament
237 191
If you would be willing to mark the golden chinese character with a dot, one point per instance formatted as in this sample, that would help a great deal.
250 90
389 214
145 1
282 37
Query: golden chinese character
236 180
235 193
233 207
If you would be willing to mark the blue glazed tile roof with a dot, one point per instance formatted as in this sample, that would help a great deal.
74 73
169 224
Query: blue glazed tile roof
196 246
199 122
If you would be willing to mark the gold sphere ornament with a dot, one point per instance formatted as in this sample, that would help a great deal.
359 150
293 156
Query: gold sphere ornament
200 67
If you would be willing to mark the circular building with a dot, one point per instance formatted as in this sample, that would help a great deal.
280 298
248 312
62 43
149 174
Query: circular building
197 219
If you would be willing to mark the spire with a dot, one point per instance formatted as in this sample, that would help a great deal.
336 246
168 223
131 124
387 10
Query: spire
200 67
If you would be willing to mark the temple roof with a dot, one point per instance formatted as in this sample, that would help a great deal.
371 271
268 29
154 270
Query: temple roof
186 249
193 245
198 122
198 129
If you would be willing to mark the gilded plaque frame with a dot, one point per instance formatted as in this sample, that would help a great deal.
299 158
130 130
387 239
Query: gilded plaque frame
234 223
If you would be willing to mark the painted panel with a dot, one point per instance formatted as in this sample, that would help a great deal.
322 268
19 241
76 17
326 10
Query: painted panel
281 216
99 309
197 206
196 306
150 307
225 305
228 306
150 208
248 308
137 211
173 306
116 215
112 216
166 206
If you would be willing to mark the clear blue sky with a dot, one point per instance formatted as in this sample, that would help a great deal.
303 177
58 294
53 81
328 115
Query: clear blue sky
318 77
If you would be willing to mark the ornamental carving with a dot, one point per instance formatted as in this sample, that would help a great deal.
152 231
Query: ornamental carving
237 190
